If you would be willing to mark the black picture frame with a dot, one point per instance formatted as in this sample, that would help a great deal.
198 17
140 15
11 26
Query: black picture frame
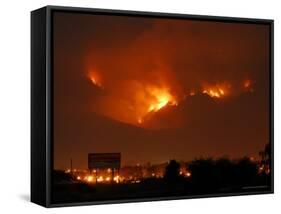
42 99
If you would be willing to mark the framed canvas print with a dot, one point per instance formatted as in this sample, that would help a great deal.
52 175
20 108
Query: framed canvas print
138 106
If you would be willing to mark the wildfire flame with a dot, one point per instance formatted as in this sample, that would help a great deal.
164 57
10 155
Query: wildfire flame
214 92
95 78
192 93
162 98
248 85
217 90
159 97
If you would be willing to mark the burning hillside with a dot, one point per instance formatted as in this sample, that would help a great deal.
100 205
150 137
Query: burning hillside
135 101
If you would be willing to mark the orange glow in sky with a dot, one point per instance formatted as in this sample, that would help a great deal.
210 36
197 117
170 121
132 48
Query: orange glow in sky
141 86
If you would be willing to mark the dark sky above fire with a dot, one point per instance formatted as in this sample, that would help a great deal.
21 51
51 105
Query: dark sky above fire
156 89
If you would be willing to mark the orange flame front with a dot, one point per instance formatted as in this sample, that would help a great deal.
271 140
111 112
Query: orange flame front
217 90
162 98
95 78
158 98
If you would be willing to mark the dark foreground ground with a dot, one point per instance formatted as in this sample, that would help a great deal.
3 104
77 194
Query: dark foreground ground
80 192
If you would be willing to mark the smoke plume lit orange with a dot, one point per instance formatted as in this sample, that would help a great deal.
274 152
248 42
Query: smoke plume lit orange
141 79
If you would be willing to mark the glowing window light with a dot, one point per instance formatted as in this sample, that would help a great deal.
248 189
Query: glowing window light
116 178
90 178
100 179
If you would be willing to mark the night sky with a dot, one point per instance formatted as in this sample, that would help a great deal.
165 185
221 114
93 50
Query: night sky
158 89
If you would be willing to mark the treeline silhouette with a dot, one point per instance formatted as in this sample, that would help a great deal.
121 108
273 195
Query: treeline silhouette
221 175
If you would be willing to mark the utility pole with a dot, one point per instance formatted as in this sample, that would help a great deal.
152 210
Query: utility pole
112 175
71 166
96 175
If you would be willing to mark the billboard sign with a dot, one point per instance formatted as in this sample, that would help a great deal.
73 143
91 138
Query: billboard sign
104 160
